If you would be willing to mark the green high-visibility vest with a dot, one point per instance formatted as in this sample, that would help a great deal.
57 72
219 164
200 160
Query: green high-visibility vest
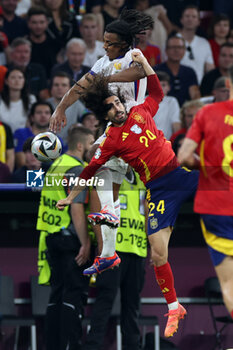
131 235
50 219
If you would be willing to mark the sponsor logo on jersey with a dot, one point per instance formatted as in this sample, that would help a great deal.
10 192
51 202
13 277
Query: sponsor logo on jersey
136 129
98 153
138 117
124 135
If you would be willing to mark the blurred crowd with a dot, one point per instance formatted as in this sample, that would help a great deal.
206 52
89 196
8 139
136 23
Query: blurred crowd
45 46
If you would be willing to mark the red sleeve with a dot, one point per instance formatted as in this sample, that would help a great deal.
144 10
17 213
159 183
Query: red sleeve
196 130
154 88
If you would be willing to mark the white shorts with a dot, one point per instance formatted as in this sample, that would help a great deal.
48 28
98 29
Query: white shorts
114 163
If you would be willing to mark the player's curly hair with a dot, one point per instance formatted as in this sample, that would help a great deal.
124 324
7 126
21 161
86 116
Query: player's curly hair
95 94
130 23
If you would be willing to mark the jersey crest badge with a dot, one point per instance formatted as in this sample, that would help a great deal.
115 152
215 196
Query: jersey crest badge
98 153
124 135
154 223
117 66
136 129
138 117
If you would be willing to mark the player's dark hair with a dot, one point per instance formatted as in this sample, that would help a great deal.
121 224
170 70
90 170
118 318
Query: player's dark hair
130 23
95 95
77 133
24 93
27 144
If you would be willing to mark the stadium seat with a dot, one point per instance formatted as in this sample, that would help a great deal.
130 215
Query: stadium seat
214 296
9 317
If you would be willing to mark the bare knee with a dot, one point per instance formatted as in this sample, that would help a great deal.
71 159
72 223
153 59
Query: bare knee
159 256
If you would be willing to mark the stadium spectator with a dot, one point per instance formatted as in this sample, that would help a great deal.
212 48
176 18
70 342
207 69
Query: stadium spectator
225 62
218 33
68 247
62 23
214 196
60 84
3 71
89 32
35 74
75 53
39 116
167 117
198 54
7 154
15 100
221 91
183 79
162 27
44 49
13 25
151 52
129 277
187 113
31 163
89 121
111 10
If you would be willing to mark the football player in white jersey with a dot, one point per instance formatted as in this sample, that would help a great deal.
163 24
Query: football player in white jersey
129 77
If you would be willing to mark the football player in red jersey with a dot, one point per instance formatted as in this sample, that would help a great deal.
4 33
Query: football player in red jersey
212 133
135 138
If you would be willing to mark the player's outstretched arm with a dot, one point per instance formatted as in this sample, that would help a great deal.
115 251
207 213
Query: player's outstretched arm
133 73
58 118
186 155
62 203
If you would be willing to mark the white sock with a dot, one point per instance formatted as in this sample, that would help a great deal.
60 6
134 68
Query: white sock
117 208
105 192
173 306
109 235
109 241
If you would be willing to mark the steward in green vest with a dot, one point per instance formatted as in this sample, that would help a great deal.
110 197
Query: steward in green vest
131 235
65 245
50 219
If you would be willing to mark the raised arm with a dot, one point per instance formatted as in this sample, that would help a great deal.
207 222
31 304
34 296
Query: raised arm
58 119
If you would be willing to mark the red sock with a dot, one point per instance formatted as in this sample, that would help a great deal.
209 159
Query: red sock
165 280
232 314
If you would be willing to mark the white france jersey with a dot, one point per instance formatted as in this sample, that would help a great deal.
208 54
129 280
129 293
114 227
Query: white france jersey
133 92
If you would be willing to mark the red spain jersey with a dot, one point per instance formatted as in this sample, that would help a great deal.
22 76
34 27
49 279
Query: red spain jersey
138 142
212 129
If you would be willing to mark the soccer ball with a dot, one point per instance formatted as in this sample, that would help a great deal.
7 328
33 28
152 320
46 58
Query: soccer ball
46 146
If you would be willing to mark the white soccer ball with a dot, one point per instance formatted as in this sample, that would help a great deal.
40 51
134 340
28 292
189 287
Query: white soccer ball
46 146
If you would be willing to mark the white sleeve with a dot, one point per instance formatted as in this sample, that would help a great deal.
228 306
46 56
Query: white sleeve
99 65
175 108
